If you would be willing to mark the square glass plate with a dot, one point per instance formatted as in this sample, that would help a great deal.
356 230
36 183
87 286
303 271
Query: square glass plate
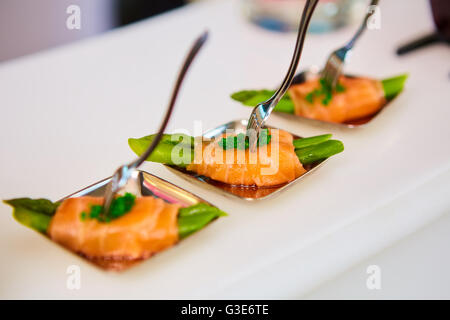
248 193
314 73
141 184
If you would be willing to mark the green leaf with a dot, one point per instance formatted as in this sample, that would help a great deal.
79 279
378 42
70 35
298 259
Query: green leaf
33 213
305 142
241 141
163 151
252 97
194 218
393 86
318 152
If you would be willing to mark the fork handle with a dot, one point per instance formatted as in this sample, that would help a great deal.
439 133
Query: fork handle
303 27
187 63
258 118
122 174
362 27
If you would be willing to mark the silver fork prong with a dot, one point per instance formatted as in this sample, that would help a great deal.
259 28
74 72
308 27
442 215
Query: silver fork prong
326 74
262 111
335 63
333 68
123 173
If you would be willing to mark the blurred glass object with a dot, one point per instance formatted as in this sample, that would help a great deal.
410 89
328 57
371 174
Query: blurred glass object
134 10
29 26
284 15
441 16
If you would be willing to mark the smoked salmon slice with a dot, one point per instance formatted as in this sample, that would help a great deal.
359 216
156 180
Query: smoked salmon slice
361 97
149 227
273 164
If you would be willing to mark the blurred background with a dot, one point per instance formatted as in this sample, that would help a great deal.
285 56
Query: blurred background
28 26
31 26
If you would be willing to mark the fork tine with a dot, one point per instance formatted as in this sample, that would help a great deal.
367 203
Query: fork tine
332 69
326 73
334 65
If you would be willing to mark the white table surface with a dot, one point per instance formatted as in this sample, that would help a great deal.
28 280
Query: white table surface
67 113
416 267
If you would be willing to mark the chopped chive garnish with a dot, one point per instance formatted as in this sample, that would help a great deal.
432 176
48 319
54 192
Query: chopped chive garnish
119 207
339 87
241 142
325 92
310 97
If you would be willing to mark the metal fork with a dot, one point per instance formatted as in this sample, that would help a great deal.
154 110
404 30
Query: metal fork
123 173
335 63
262 111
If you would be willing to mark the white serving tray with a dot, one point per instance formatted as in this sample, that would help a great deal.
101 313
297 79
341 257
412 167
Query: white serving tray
390 180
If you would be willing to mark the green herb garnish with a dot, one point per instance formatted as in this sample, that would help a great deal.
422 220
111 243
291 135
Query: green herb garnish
325 92
310 97
241 141
339 87
119 207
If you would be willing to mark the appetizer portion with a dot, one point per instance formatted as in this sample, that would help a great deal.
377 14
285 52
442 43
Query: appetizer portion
214 164
134 228
353 98
149 226
279 158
